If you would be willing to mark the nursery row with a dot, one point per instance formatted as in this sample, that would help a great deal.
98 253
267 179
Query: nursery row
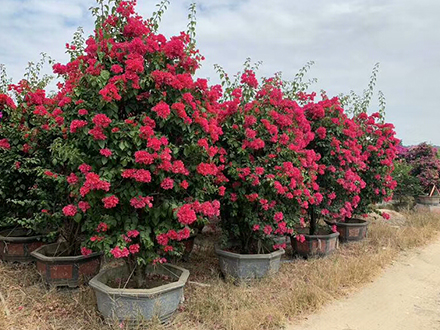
134 155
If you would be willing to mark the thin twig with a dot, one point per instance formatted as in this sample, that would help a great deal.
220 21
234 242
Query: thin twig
203 285
4 305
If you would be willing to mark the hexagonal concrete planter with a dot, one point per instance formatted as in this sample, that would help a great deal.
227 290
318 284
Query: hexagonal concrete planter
428 200
132 305
248 266
59 270
16 245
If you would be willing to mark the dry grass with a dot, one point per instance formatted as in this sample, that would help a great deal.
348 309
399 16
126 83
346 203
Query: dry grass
300 287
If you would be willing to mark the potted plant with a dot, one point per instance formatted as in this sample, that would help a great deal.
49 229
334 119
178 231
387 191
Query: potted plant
266 175
336 141
379 150
425 166
139 174
25 138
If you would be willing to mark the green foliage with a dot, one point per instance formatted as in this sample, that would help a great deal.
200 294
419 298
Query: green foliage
354 104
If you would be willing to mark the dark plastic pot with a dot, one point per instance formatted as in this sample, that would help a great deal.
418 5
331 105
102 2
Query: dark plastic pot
16 245
315 245
65 270
352 230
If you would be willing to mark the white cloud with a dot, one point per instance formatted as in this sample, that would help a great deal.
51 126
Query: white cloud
345 38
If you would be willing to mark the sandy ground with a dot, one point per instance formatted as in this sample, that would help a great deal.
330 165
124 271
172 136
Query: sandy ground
405 297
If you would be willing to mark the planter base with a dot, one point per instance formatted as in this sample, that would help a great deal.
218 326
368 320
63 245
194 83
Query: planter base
427 208
352 230
15 246
429 200
133 305
248 266
65 270
315 245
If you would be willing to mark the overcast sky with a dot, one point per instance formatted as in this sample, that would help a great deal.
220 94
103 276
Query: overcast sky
344 38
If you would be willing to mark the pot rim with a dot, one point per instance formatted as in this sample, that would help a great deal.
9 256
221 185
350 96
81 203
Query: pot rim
18 239
38 254
272 255
96 284
362 223
310 237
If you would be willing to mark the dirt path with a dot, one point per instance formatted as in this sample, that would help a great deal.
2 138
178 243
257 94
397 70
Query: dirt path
405 297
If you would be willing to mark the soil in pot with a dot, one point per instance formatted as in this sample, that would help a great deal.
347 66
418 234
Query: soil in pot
152 280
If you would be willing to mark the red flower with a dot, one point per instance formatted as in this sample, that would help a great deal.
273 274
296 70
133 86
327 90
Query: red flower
72 179
84 168
207 169
70 210
75 124
101 120
133 233
84 206
85 251
142 176
162 109
167 184
102 227
4 144
144 157
184 184
118 253
186 214
105 152
267 230
110 202
134 248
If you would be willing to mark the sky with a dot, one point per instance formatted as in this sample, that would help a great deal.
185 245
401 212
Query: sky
344 39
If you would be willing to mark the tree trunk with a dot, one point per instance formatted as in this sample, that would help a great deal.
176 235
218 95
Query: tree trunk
312 221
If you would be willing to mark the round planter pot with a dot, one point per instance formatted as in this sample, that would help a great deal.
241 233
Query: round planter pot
428 200
315 245
132 305
352 230
16 246
248 266
65 270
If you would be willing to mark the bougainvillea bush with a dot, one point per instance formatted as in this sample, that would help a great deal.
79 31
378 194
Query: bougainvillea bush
28 125
425 165
268 173
336 141
379 148
140 138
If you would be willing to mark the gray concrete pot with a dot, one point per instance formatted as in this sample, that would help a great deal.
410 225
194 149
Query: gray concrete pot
428 200
248 266
132 305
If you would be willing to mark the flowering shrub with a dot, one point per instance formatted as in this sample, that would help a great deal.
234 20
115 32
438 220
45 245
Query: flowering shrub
140 139
379 148
336 141
267 171
425 165
28 190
